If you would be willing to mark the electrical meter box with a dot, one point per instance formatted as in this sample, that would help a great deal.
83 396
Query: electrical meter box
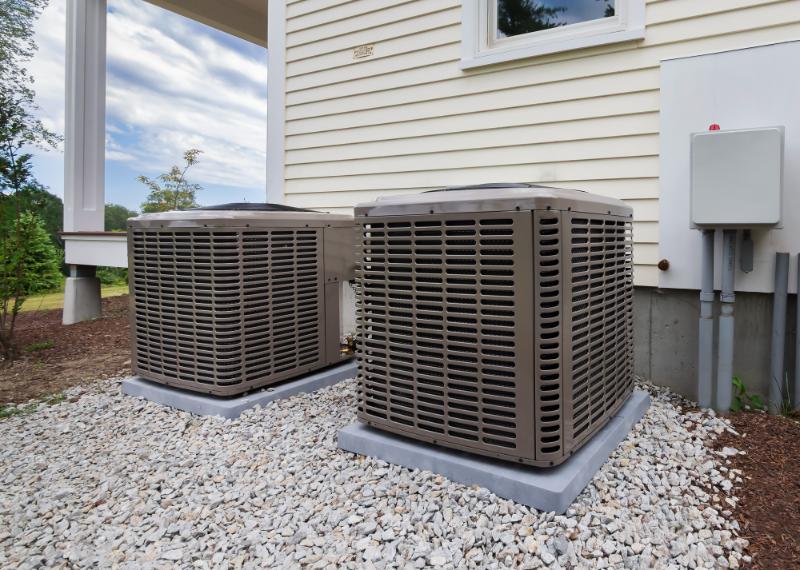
736 178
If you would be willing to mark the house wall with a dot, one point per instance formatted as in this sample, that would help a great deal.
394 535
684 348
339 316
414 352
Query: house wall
407 118
665 330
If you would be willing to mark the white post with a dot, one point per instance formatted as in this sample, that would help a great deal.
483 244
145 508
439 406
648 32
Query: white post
276 98
84 147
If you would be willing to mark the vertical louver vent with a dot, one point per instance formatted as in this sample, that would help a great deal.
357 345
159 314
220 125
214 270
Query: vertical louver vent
492 327
601 294
226 310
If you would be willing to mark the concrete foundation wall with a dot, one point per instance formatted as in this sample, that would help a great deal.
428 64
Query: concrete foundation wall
665 333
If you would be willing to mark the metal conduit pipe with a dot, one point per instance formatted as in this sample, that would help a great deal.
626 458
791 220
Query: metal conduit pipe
776 376
705 345
726 322
796 402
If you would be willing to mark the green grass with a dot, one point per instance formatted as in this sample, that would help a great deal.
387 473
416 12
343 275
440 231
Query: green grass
36 346
11 410
55 300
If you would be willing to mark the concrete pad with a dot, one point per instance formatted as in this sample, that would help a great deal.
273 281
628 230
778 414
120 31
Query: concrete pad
230 408
546 489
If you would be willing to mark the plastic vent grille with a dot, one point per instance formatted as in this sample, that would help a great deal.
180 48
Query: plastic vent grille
548 342
443 323
601 298
225 310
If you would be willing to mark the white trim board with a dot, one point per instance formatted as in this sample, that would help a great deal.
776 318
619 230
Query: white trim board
85 116
276 101
101 251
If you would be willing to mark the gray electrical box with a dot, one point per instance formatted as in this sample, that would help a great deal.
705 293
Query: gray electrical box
736 178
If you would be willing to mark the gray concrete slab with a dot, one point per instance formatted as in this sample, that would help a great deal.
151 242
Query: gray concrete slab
205 405
552 489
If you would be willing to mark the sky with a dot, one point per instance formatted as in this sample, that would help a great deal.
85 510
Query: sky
172 84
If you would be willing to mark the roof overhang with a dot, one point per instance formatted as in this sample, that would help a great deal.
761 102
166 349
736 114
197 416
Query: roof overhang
246 19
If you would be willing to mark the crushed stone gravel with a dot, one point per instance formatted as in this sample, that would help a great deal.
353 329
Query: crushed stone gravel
105 480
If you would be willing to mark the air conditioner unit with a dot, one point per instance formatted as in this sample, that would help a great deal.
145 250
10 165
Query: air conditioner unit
236 297
495 319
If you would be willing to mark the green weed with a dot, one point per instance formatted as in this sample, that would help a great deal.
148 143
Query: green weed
36 346
742 399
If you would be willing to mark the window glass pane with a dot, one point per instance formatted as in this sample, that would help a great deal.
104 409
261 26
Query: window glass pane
515 17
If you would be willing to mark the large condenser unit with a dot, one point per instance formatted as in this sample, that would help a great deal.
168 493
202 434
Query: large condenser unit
495 319
231 298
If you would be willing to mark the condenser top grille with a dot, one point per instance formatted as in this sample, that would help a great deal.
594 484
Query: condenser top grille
493 198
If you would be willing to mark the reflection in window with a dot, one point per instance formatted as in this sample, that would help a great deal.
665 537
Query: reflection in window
515 17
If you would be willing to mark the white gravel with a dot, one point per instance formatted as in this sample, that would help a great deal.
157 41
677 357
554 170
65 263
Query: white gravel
112 481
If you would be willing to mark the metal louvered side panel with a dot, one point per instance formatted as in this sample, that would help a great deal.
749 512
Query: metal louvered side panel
549 277
225 310
601 300
445 322
296 306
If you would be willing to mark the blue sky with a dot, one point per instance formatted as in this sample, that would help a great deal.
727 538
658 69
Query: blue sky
172 84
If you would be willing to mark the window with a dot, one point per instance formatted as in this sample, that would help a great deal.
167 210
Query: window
503 30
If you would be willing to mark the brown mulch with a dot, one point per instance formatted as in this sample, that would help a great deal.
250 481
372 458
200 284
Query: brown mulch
81 352
769 507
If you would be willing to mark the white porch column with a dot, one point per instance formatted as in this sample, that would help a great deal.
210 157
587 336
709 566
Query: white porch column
84 145
276 98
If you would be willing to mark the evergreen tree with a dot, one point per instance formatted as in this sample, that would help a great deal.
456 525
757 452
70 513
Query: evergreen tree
29 263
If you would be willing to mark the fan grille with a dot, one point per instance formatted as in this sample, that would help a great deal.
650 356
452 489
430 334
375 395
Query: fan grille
225 310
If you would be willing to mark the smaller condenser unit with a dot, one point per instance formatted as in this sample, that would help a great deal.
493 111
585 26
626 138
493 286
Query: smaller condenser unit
236 297
495 319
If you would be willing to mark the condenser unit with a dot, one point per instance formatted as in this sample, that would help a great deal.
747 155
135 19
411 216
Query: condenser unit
495 319
232 298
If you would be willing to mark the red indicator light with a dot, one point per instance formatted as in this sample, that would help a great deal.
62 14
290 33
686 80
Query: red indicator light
713 127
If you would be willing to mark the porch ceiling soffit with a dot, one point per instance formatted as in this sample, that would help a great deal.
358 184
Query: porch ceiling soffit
246 19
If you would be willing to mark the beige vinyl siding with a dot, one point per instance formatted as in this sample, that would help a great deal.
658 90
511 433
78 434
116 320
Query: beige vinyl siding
408 119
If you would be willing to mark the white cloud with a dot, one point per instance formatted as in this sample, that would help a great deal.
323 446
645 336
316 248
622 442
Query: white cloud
47 68
171 86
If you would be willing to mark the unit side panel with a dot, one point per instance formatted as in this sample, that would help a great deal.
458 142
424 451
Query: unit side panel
445 326
226 310
600 298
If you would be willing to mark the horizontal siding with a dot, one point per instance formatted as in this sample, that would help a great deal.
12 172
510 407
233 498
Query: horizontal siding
407 119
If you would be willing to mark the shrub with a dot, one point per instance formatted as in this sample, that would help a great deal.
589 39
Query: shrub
29 263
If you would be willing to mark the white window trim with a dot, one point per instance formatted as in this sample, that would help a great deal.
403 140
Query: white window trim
478 46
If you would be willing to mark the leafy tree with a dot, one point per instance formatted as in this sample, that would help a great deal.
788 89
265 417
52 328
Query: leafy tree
117 217
47 206
515 17
171 191
29 263
28 258
112 275
116 221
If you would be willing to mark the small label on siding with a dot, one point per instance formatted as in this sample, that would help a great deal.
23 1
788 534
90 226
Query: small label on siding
361 52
